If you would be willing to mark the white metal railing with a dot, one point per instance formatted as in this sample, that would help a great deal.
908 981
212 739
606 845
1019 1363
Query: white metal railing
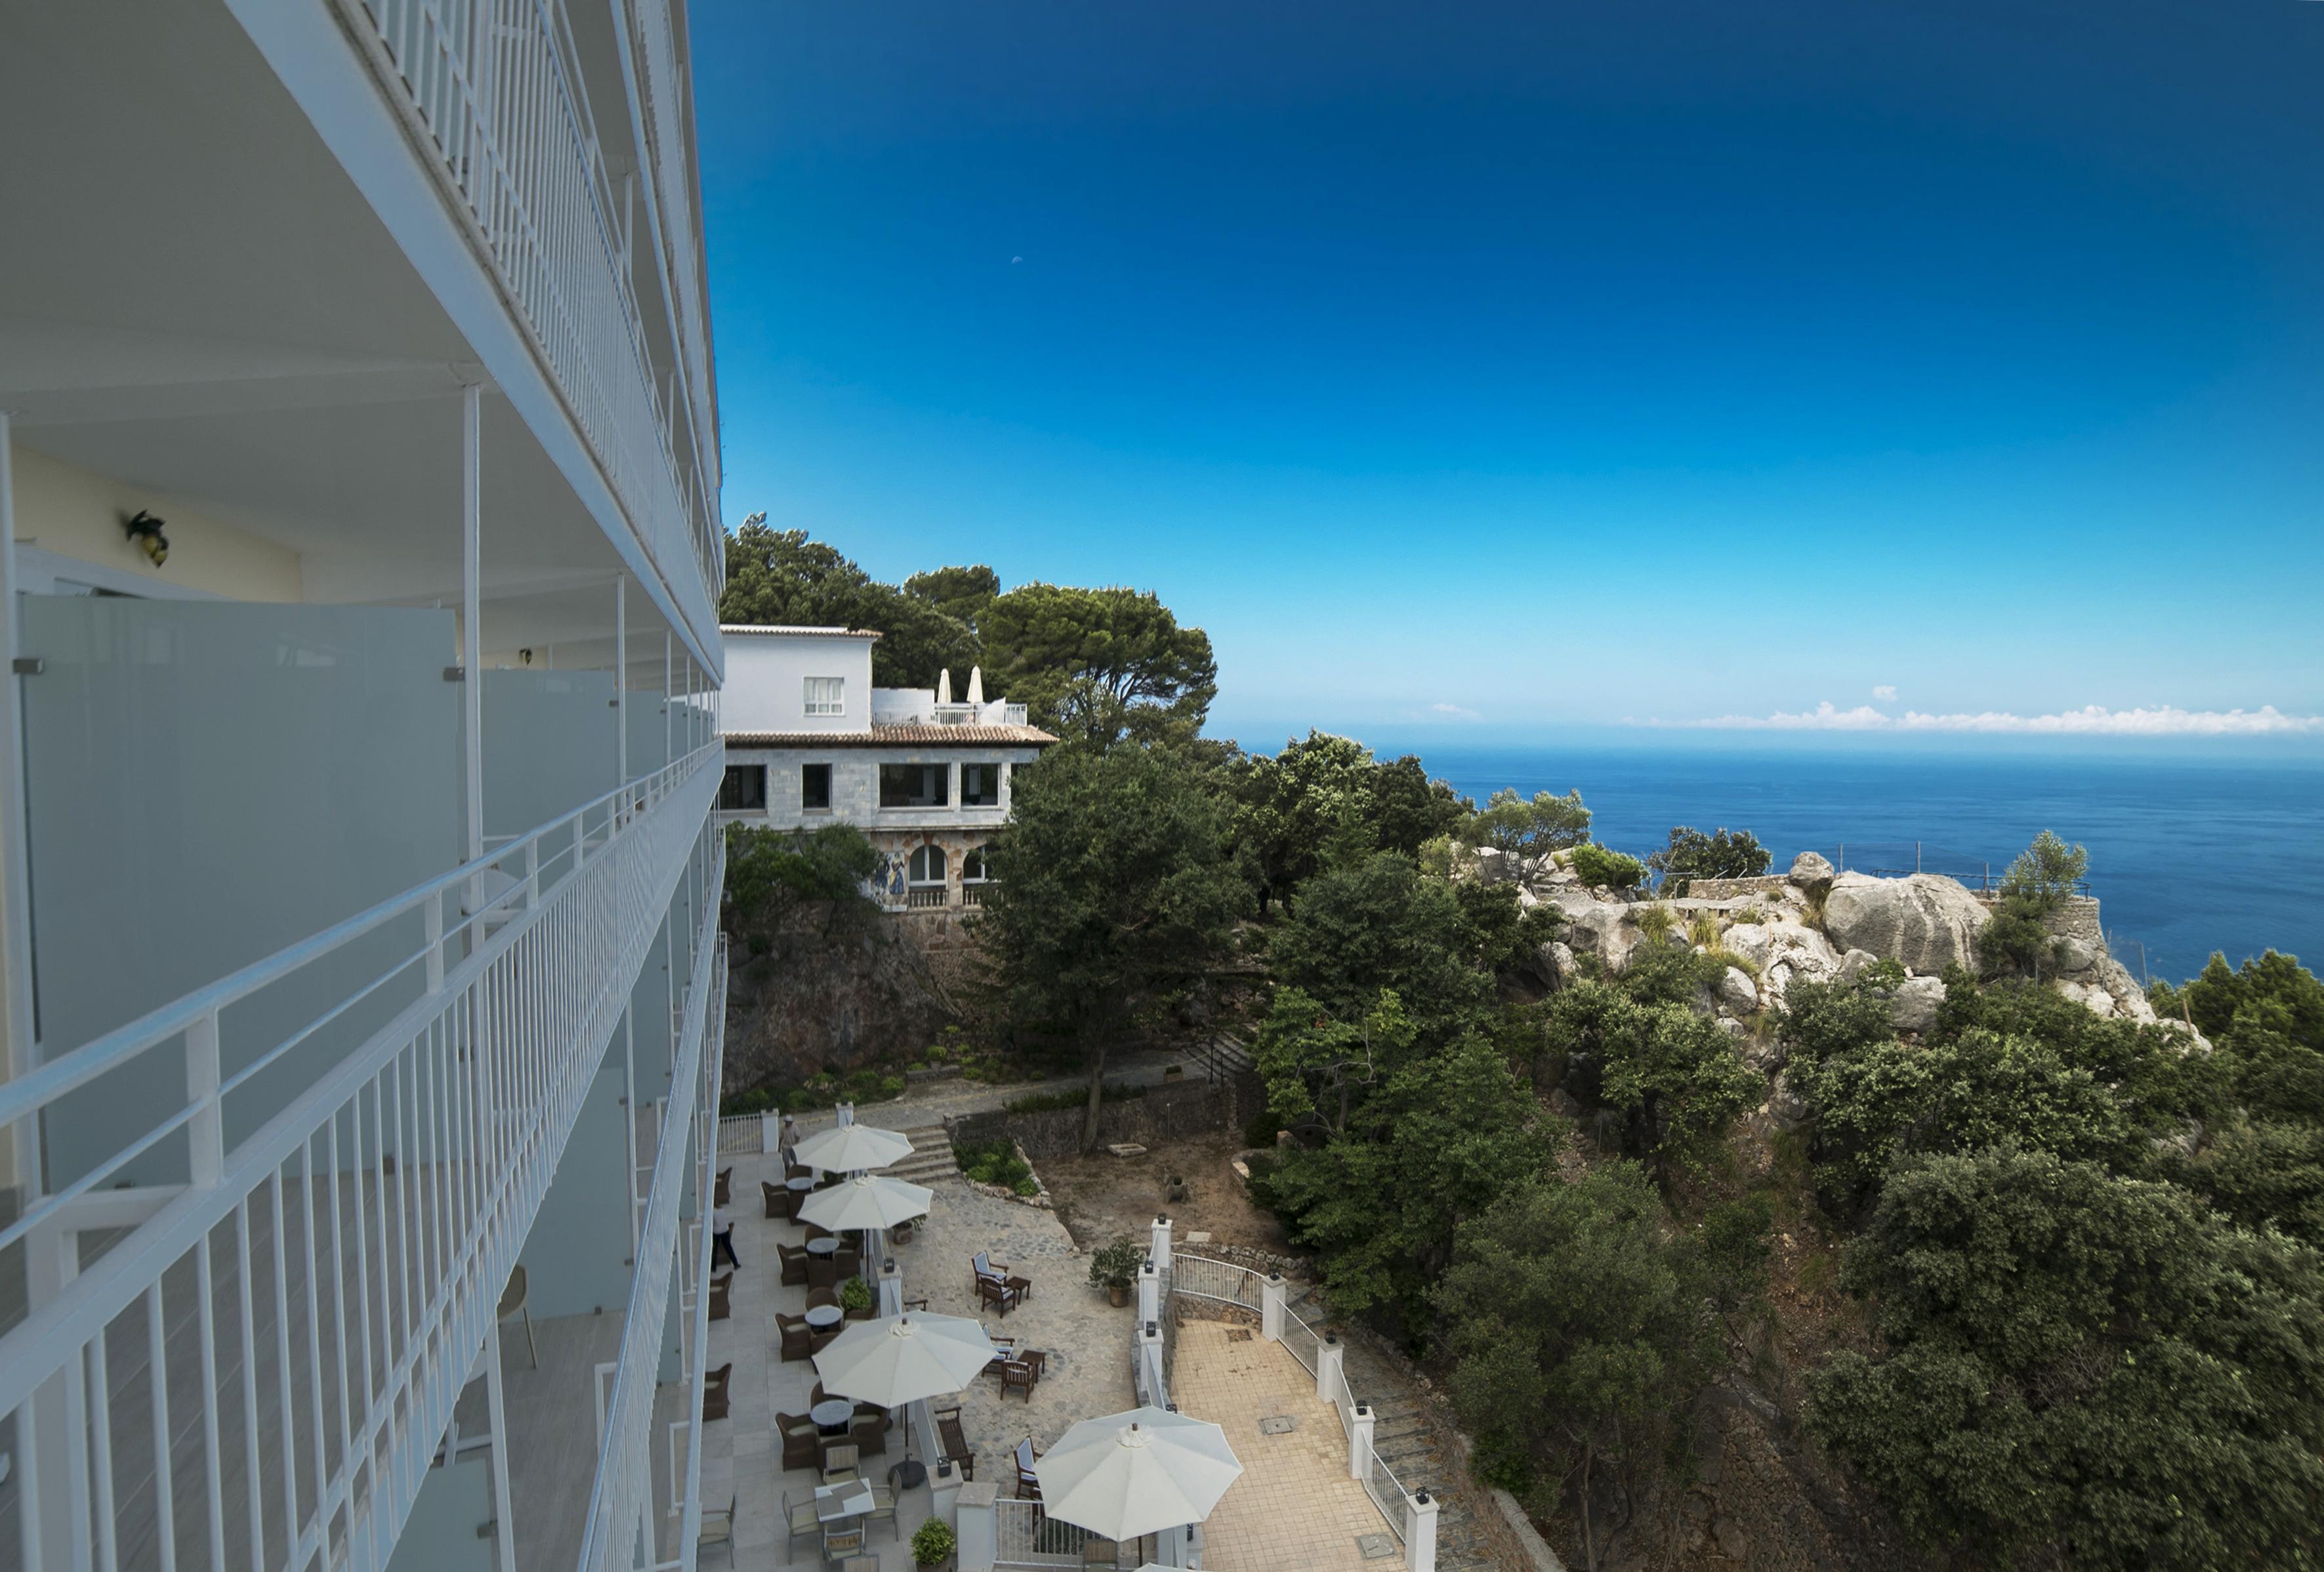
1025 1535
619 1530
1220 1279
1300 1338
663 84
1388 1493
257 1368
493 87
1012 714
740 1134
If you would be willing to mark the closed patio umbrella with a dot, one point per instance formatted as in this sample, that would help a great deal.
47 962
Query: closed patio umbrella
901 1360
1137 1473
849 1148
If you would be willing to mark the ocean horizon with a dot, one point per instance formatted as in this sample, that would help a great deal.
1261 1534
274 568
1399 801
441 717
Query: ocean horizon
2189 856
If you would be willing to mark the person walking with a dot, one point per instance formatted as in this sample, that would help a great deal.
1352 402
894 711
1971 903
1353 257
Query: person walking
722 1239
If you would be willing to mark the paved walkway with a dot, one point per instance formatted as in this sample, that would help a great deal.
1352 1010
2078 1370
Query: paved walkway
928 1102
1294 1505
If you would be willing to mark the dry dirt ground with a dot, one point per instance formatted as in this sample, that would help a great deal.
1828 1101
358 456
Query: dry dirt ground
1103 1197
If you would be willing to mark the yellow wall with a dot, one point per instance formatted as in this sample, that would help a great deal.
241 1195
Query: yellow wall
78 513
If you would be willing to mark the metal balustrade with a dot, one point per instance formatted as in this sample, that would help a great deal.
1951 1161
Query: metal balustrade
621 1527
493 87
661 85
1300 1338
1024 1535
1386 1492
254 1367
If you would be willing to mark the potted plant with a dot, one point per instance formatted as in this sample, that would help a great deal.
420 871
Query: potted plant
855 1299
933 1544
1174 1072
1115 1268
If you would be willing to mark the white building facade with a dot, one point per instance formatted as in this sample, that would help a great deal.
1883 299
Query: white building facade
362 994
811 741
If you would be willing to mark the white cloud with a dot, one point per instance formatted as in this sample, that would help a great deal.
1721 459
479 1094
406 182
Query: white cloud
1458 712
1885 690
2091 721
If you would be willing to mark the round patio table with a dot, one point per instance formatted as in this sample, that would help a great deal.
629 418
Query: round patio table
831 1415
820 1316
823 1246
800 1185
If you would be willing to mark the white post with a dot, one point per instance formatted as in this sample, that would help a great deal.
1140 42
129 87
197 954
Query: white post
503 1524
771 1131
472 678
622 684
23 1165
1329 1357
1150 1362
1359 1441
973 1512
1157 1248
1419 1533
843 1113
1270 1308
667 716
1149 1294
891 1289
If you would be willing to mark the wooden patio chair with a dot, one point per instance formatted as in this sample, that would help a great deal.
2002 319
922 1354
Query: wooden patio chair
713 1392
1022 1375
953 1445
1029 1484
1004 1349
997 1292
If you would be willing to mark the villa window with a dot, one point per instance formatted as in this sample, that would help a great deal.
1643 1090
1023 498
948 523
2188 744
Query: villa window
925 877
974 875
979 786
815 788
826 695
745 789
915 786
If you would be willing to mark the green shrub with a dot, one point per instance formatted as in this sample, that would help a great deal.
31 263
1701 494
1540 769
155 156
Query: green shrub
932 1542
996 1163
856 1294
1116 1266
1702 929
1654 920
1598 866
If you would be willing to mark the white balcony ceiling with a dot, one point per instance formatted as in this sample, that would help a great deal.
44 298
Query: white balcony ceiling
196 299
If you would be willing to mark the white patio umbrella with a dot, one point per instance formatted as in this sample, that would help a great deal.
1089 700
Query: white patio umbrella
1137 1473
944 686
901 1360
868 1200
848 1148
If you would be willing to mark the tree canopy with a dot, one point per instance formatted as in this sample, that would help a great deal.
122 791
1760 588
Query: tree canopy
1157 678
1509 823
1113 895
781 577
1723 853
1323 799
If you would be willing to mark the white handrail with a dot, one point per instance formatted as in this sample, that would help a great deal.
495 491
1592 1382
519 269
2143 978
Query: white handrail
368 1227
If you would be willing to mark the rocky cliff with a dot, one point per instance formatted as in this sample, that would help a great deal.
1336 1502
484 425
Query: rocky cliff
1815 924
835 997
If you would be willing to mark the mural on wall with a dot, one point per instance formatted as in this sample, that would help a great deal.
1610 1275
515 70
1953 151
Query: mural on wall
887 883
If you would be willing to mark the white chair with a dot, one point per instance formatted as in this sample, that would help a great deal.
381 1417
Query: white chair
512 1303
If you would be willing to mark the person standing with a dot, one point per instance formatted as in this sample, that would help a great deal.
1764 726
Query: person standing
787 1143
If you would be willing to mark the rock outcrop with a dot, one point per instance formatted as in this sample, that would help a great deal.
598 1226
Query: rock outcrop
1927 921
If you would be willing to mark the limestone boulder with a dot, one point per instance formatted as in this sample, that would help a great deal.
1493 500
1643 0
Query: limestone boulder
1925 920
2077 957
1785 1105
1603 928
1738 991
1495 866
1852 964
1913 1006
1811 868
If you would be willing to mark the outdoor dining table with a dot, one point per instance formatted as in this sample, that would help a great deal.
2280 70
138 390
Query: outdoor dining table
820 1316
832 1414
823 1246
800 1185
848 1498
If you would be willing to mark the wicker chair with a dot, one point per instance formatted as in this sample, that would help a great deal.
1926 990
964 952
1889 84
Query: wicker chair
822 1272
799 1338
795 1259
778 1199
802 1441
723 1192
849 1260
721 1294
713 1392
815 1296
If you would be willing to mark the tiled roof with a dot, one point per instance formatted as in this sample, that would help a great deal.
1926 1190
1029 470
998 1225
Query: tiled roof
915 735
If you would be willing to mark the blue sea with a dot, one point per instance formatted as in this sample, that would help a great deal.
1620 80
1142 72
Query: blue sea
2187 856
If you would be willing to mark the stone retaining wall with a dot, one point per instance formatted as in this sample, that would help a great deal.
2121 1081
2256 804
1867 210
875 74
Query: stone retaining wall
1170 1111
1728 889
2077 919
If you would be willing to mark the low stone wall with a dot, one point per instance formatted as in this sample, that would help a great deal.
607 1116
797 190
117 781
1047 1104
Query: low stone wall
1728 889
2077 919
1167 1112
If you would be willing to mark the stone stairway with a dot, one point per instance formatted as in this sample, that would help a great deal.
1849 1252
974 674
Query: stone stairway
931 1161
1408 1444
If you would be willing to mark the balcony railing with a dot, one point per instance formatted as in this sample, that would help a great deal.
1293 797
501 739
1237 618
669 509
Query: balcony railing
256 1369
621 1522
492 87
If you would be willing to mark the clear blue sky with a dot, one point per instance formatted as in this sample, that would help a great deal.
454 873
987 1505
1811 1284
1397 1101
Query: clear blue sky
1553 365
